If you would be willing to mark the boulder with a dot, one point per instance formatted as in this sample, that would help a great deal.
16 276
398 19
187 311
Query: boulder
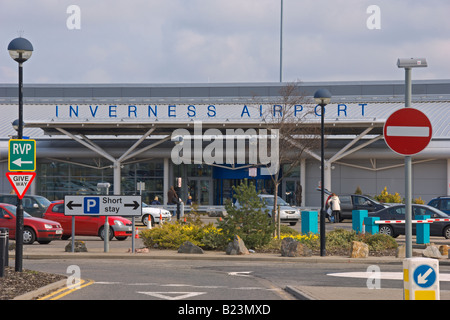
189 247
79 246
293 248
140 250
401 252
443 249
237 247
359 250
432 251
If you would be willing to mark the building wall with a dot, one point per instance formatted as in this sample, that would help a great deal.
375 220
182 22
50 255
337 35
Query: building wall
429 178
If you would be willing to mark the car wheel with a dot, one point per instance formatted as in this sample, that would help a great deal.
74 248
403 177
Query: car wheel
28 236
101 233
387 230
447 232
145 220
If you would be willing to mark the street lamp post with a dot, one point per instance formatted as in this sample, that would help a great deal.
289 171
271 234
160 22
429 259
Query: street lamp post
322 97
20 50
407 64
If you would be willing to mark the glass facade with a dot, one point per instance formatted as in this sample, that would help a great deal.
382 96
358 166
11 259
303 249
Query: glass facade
205 185
57 179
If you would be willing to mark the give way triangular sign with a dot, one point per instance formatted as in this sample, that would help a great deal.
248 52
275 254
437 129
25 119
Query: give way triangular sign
20 181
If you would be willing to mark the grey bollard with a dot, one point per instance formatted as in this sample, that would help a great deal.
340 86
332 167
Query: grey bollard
4 237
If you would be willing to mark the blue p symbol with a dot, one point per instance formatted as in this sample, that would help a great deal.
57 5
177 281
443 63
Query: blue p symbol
92 205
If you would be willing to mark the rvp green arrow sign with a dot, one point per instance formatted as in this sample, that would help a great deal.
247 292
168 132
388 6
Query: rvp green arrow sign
22 155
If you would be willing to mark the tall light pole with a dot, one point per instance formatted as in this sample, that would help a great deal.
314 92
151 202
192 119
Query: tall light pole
408 64
20 50
281 43
322 97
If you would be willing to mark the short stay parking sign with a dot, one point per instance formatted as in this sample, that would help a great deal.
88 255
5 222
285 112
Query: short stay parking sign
103 205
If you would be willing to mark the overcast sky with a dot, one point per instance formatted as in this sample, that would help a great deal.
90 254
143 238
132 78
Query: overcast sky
200 41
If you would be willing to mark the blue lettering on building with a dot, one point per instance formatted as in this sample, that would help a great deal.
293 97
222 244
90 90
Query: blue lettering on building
340 110
211 111
191 111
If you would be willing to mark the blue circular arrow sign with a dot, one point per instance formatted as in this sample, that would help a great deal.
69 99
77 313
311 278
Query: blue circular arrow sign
424 276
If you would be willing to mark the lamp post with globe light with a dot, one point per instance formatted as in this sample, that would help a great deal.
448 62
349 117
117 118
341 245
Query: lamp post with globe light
20 50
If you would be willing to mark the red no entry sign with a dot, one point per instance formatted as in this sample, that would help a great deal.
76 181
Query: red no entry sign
407 131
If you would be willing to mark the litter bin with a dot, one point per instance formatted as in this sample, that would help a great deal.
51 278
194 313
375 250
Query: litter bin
4 243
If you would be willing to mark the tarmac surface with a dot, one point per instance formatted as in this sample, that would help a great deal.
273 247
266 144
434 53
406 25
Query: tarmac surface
122 250
299 292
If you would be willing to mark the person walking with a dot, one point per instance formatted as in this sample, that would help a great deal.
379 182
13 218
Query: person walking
335 204
173 199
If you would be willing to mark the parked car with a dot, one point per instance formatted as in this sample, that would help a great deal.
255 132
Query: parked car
154 213
120 227
397 212
35 229
441 203
288 214
358 202
32 204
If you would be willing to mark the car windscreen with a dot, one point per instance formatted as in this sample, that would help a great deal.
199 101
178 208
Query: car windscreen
269 201
44 202
12 210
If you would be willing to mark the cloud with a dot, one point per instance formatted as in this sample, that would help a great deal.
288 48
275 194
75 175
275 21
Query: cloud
157 41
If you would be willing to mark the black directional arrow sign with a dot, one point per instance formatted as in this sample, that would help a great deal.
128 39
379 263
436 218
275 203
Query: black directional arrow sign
103 205
133 205
71 205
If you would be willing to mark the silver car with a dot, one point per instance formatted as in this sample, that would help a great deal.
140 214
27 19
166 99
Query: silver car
154 214
288 214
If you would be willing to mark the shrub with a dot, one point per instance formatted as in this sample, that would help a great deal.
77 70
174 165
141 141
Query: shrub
379 242
171 236
250 221
342 239
386 197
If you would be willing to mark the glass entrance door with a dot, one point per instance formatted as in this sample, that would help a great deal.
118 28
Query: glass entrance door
200 189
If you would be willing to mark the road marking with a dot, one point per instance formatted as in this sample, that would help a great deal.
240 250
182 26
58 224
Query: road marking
66 290
383 275
400 131
240 273
168 295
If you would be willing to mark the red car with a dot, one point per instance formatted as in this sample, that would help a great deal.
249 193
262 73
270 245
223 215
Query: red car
35 229
88 225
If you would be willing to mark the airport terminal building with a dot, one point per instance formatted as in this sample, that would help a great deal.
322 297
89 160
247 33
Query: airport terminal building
123 134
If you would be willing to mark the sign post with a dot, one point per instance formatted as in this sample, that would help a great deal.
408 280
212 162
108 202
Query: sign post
21 157
124 206
407 132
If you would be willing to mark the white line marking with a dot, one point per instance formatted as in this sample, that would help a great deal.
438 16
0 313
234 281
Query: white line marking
168 295
394 131
383 275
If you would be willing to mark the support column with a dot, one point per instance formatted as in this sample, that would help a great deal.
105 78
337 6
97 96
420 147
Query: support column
166 180
117 177
448 177
303 180
327 177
